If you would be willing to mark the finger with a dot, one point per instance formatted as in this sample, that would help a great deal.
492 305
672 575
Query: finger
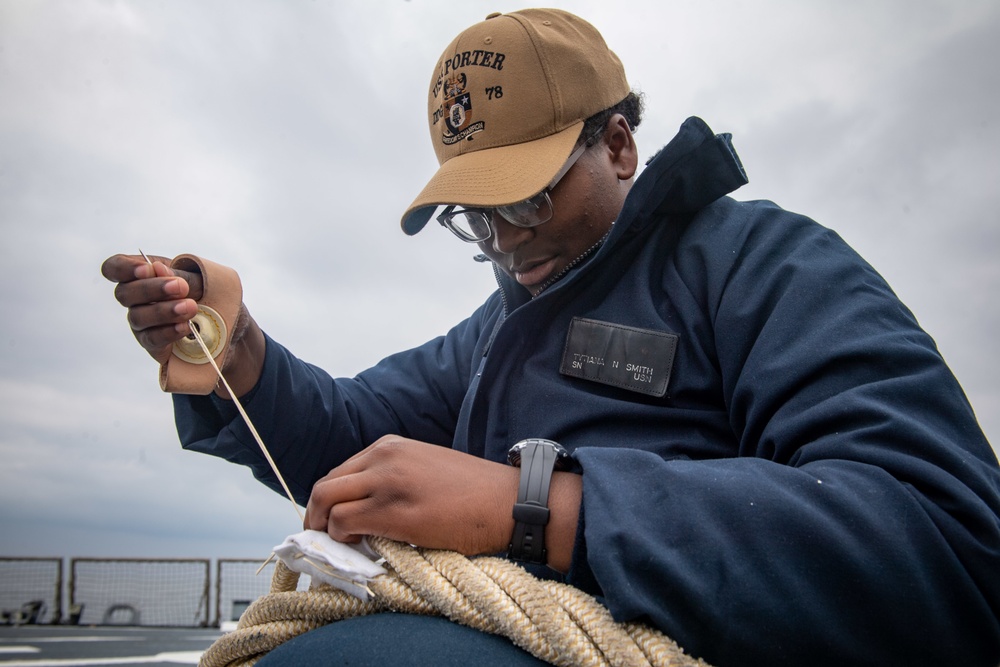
193 280
376 515
162 314
130 268
339 523
158 341
118 268
151 290
331 491
159 269
154 269
121 268
325 494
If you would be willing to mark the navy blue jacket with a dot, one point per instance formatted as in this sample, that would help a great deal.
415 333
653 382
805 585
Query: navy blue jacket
808 485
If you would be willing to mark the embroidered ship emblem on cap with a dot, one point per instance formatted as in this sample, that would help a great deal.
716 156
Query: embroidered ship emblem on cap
457 111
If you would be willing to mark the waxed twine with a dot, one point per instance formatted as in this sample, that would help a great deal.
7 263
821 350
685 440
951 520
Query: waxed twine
239 407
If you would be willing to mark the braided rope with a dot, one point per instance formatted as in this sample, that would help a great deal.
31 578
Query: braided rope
552 621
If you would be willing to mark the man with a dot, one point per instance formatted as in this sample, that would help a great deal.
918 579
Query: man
760 452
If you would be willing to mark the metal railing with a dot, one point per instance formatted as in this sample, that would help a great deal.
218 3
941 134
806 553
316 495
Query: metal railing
167 592
30 590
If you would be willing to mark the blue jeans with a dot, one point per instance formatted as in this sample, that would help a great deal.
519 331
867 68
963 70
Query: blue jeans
385 639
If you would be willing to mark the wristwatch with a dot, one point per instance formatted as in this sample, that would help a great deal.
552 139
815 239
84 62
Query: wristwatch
537 459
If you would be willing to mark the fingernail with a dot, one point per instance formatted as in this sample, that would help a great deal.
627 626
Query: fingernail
173 287
181 308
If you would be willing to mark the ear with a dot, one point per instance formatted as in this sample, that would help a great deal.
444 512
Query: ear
621 147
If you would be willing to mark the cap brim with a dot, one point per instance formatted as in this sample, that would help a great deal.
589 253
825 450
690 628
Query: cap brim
493 177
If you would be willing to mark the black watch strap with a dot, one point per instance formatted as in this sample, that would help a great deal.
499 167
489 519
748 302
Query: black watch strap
537 458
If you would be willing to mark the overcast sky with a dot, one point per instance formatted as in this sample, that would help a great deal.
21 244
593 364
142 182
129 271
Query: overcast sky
285 139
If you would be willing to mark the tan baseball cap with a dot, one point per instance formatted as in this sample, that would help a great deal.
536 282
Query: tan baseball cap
506 105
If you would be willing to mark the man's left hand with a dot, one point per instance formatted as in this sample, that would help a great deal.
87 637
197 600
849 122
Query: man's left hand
418 493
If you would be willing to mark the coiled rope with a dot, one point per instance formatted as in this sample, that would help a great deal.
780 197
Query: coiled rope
552 621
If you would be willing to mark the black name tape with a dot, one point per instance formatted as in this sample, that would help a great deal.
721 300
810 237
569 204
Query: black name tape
635 359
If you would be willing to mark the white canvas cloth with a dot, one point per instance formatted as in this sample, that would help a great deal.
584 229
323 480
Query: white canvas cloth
348 567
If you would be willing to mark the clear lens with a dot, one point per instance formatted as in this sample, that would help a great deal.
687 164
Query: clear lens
468 224
530 212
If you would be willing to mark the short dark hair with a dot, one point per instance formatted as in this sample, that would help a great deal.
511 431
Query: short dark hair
631 107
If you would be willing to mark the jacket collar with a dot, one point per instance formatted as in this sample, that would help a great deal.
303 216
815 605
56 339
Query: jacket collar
689 173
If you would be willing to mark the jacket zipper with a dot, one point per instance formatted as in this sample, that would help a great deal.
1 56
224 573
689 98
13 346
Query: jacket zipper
569 267
548 283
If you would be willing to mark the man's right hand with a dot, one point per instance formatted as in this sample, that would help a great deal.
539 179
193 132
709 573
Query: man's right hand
160 300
